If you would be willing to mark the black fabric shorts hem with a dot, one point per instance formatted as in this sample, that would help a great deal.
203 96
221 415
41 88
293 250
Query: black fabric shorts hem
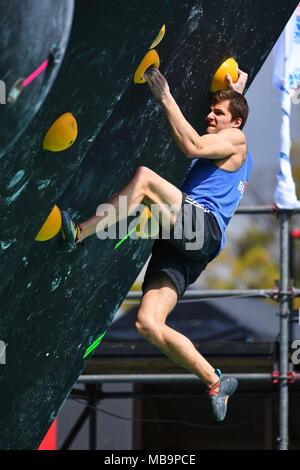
170 255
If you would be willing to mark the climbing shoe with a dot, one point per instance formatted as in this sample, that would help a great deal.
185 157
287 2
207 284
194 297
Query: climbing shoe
219 394
69 232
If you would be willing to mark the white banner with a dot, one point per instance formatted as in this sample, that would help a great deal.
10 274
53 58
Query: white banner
286 79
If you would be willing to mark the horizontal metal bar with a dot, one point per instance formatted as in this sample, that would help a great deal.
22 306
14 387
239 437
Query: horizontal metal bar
264 210
198 294
168 378
176 395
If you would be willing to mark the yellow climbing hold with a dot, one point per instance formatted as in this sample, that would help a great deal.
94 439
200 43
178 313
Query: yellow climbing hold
219 81
51 226
62 134
148 226
150 59
158 38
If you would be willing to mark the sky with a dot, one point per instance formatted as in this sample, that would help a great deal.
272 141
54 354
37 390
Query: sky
263 135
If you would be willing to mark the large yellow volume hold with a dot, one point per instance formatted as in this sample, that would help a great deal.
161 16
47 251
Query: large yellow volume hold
150 59
51 226
219 81
62 134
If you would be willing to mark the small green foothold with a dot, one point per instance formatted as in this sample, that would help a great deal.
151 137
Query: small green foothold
93 346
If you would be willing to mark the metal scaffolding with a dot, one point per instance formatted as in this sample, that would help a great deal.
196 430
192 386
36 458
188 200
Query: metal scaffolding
282 292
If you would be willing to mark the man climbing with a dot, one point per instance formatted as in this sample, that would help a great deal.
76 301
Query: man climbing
209 196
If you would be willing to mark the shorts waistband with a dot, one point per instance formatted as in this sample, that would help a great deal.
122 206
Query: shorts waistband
195 203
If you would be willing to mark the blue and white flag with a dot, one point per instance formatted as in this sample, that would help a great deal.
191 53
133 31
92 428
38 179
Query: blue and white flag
286 79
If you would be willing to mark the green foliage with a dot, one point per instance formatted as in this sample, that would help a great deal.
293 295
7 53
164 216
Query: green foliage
251 267
253 239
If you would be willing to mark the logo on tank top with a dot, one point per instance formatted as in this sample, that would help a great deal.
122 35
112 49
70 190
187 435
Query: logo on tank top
242 187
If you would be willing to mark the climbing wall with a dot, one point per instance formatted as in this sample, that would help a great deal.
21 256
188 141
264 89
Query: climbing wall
55 305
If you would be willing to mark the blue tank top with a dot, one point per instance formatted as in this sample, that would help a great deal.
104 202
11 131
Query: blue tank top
219 191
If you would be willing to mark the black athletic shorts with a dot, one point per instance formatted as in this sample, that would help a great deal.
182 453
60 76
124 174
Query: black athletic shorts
183 259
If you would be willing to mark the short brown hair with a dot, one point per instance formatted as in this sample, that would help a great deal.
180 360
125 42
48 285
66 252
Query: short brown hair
238 106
